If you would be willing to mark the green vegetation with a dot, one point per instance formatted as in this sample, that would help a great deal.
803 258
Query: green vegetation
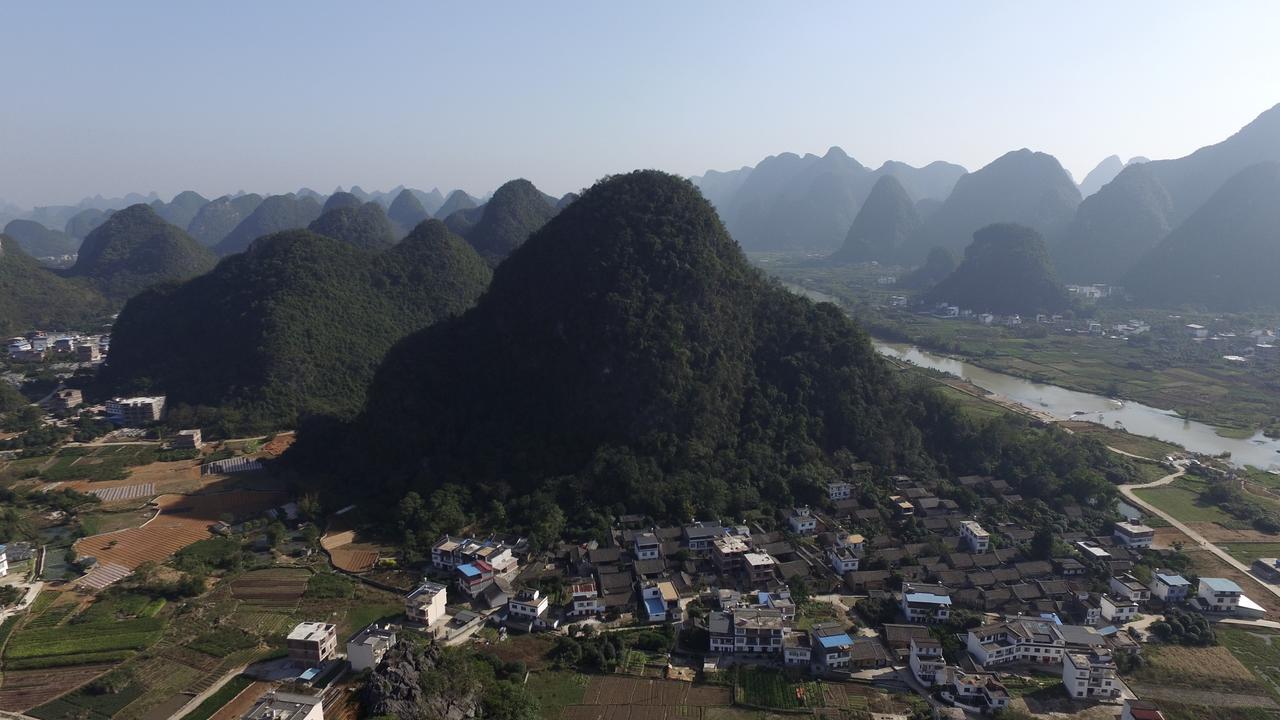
516 210
136 248
327 585
33 296
365 226
554 690
275 214
223 641
39 241
1260 652
116 605
222 696
223 553
1006 270
768 688
1115 227
457 200
939 264
406 211
293 328
1182 499
1184 628
219 217
1247 552
99 700
182 209
85 222
75 642
885 223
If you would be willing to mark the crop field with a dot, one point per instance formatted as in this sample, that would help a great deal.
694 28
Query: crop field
1181 499
85 705
354 557
771 689
1260 652
625 698
21 690
1197 667
1247 552
276 588
68 642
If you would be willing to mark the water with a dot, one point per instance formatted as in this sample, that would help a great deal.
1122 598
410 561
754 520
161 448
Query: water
1259 450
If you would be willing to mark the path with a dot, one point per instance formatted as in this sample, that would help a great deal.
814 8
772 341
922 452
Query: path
194 702
1132 497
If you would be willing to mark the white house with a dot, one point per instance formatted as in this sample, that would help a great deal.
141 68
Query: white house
426 604
1018 640
1133 534
1118 610
312 643
1219 594
586 598
980 690
926 661
839 490
925 604
802 521
1128 587
979 540
646 546
275 705
1090 675
843 560
1169 587
366 649
831 646
527 609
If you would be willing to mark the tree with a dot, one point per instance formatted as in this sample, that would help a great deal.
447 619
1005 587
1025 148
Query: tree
508 701
276 532
1042 543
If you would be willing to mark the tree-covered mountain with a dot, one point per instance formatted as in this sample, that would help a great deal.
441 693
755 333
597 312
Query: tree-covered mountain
274 214
85 221
364 226
937 266
34 297
339 200
934 181
1005 270
219 217
1024 187
39 241
294 326
182 209
457 200
430 201
627 358
886 221
1113 228
407 211
136 248
516 210
564 201
1103 173
1226 256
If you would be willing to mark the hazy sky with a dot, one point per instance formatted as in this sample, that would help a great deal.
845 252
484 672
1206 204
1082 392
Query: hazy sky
110 97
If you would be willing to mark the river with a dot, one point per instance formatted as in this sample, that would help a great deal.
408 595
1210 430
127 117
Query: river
1259 450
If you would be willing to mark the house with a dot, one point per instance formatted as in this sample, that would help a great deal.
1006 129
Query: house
727 552
1169 587
88 352
797 650
646 546
759 567
426 604
527 610
977 538
1219 595
699 536
448 553
902 506
839 490
1090 675
1026 640
1133 534
1093 552
980 690
843 559
720 631
1128 587
1141 710
925 603
365 650
188 440
312 643
135 411
831 645
1196 331
780 601
758 630
276 705
66 399
926 661
868 653
802 521
1069 567
659 600
585 597
1117 610
474 577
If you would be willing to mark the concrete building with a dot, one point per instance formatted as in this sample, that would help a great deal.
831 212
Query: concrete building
727 552
1219 595
365 650
980 690
474 577
926 661
802 521
839 490
1169 587
276 705
700 535
312 643
1128 587
758 630
136 411
4 560
646 546
978 539
1133 534
759 566
527 610
1117 610
1141 710
188 439
925 603
1017 640
88 352
426 604
66 399
586 598
831 646
1090 675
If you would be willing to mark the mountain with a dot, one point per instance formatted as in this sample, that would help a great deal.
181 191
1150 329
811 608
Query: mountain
182 209
887 220
1024 187
1105 172
934 181
365 226
292 327
1005 270
307 192
516 210
937 266
430 201
135 248
275 214
719 187
33 297
407 210
1115 227
565 200
83 222
1226 256
39 241
341 200
219 217
457 200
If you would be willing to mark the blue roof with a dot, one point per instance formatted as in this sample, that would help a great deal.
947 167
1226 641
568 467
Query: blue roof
469 570
310 674
831 641
655 606
1173 580
923 597
1051 617
1220 585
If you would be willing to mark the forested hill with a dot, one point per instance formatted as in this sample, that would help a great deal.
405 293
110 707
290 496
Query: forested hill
515 210
292 327
364 226
274 214
627 358
135 248
32 296
1005 270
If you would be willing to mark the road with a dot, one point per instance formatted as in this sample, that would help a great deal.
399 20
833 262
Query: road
1131 497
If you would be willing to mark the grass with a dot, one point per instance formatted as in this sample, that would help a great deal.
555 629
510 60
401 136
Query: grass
119 606
327 585
84 703
223 641
363 615
1247 552
1198 668
554 690
1260 652
214 702
1181 499
85 638
764 687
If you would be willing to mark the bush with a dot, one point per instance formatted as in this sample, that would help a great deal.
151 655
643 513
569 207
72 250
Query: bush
327 585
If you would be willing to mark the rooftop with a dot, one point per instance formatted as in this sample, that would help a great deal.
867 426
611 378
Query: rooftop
1220 585
314 631
833 641
1173 580
928 598
283 706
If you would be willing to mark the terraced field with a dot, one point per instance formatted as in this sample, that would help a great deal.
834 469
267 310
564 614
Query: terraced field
22 690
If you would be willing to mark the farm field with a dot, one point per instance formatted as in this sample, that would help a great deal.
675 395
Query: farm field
769 688
1181 499
1120 440
1247 552
22 690
1260 652
1197 667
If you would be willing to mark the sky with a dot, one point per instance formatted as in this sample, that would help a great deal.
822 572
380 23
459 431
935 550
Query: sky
108 98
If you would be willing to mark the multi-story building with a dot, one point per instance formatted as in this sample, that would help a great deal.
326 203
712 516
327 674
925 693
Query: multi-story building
843 559
4 560
312 643
646 546
902 506
586 598
1117 610
188 439
720 632
980 690
1219 595
1169 587
759 566
925 603
448 553
700 535
1128 587
474 577
1133 534
802 521
1090 674
659 601
88 352
727 552
275 705
926 661
832 648
839 490
426 604
978 539
136 411
1016 640
66 399
758 630
528 609
366 649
